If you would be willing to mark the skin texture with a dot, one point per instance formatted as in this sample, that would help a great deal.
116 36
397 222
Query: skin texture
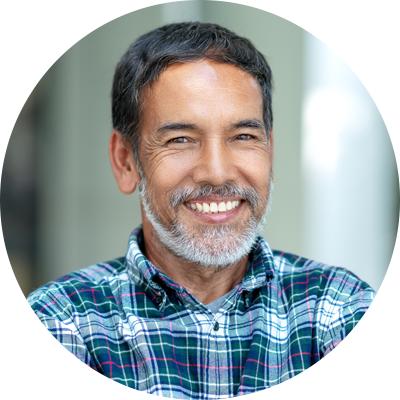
193 132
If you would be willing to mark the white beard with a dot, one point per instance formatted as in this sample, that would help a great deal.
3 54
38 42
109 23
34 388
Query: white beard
208 246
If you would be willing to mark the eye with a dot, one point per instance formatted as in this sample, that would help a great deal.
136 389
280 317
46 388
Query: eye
244 137
179 140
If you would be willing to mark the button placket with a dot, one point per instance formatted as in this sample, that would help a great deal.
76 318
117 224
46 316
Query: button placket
216 329
159 299
217 354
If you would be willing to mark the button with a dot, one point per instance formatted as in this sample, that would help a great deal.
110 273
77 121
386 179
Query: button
158 299
216 326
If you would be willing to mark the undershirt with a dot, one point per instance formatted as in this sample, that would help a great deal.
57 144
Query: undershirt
215 305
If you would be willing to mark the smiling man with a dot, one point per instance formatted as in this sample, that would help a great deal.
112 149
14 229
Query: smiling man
200 306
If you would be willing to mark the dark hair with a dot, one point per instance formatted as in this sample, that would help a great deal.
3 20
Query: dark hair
153 52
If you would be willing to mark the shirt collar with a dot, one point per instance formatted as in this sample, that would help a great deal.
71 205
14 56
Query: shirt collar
260 270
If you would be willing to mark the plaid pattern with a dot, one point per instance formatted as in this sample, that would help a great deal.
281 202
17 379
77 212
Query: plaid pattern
130 322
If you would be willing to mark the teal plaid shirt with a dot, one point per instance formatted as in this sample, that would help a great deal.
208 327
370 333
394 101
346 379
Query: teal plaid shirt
130 322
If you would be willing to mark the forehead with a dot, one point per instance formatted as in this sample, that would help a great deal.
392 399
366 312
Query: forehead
202 88
196 75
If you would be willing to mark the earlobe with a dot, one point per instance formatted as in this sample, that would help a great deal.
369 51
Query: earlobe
123 163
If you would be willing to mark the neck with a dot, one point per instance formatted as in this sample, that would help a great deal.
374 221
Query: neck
205 283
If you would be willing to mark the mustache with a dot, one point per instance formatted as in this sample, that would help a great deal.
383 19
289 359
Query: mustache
181 195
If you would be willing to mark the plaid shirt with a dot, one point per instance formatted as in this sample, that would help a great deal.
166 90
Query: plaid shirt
130 322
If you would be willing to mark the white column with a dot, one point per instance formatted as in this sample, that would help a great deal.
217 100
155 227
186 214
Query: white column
350 175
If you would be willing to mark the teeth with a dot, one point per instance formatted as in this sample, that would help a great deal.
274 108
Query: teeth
213 208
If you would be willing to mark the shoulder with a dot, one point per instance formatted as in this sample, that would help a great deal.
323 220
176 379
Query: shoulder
77 287
298 275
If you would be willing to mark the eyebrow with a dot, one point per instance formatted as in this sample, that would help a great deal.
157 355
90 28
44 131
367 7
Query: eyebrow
249 123
171 126
176 126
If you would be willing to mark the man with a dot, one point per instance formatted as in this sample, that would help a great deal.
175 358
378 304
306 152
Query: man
200 307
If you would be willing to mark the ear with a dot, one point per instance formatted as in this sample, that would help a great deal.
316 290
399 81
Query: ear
271 146
123 164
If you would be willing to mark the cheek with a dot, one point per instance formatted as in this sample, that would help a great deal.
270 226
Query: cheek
165 162
168 173
256 170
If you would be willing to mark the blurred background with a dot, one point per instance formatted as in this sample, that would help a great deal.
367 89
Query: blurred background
336 194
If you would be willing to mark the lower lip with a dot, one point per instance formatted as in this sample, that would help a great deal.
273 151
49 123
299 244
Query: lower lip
217 218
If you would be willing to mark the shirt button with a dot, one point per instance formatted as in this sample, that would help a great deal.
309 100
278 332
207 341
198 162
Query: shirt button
158 300
216 326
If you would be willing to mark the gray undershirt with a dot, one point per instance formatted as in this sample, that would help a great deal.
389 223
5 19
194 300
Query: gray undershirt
215 305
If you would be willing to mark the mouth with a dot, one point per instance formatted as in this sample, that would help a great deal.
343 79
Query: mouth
213 207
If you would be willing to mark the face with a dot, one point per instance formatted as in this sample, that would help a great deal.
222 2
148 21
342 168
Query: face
206 162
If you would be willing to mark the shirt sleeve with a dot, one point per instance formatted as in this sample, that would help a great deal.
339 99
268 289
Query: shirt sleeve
65 333
51 312
345 319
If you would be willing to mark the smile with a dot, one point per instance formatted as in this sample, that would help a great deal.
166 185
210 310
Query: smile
213 208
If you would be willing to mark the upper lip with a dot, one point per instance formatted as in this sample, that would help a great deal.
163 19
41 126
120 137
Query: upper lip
213 199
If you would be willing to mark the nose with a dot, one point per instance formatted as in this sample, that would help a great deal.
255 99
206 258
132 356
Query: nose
215 164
